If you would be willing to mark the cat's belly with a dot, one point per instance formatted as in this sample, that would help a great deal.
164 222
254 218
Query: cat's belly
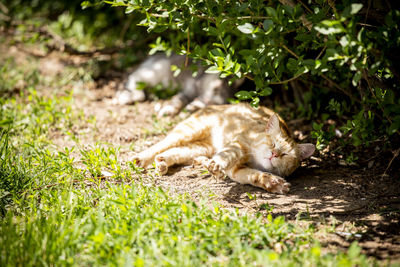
217 137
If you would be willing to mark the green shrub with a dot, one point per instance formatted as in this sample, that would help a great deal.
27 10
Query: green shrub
340 50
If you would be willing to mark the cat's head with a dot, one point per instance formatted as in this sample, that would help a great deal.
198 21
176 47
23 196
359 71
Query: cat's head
280 154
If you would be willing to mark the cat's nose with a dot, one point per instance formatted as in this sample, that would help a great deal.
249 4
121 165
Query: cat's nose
273 155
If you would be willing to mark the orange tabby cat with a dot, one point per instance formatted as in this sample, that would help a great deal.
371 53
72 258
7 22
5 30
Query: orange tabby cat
251 146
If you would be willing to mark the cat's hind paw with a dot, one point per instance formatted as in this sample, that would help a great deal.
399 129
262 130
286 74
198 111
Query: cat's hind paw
136 160
161 165
140 161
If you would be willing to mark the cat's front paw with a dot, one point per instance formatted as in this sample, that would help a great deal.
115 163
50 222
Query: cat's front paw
273 183
167 110
216 167
195 105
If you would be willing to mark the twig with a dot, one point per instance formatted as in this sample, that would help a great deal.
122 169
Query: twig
251 78
396 154
204 17
290 51
322 51
377 100
187 48
367 25
331 3
366 14
125 27
340 88
303 18
322 75
288 80
305 6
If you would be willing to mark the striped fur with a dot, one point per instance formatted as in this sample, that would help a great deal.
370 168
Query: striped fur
251 146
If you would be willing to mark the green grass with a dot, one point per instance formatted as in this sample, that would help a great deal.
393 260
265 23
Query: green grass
58 208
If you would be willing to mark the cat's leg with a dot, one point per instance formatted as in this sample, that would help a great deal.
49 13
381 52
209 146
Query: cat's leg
232 154
127 97
184 133
146 157
173 106
188 93
189 153
268 181
196 104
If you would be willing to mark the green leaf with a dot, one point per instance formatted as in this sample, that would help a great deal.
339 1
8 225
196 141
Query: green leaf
331 23
328 27
246 28
255 102
86 4
243 95
6 122
237 68
227 41
301 71
266 91
355 8
130 9
310 63
113 3
268 25
352 10
176 72
217 52
213 69
160 28
344 41
395 126
288 9
356 78
298 11
354 250
271 12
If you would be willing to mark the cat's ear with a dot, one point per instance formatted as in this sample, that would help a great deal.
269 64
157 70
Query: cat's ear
306 150
273 125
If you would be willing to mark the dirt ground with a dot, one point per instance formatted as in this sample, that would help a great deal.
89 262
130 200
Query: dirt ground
345 203
356 202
